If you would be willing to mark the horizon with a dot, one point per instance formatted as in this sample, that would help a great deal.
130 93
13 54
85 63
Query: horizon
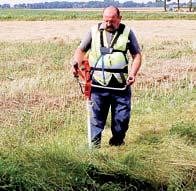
12 2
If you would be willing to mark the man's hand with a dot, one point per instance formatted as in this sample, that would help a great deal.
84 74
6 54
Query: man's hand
75 70
78 58
130 80
137 59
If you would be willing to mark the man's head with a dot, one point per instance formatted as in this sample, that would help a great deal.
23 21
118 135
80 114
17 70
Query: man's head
111 18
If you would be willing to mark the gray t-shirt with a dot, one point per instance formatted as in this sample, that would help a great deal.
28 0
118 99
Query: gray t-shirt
132 45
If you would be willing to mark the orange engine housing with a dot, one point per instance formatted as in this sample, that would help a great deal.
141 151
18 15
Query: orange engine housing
84 73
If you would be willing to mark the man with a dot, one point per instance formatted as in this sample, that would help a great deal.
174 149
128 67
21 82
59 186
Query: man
108 44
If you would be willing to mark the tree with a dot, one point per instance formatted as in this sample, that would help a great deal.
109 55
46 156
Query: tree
164 4
190 5
129 4
6 6
178 4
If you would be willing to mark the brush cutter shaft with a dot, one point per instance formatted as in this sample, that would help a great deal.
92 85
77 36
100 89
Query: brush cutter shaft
88 108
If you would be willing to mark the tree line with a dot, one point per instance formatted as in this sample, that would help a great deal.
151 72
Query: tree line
190 4
96 4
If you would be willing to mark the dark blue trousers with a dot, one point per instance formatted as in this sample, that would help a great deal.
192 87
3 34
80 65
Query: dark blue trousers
120 103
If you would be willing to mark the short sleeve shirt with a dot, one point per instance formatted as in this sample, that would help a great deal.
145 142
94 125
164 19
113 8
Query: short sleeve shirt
133 45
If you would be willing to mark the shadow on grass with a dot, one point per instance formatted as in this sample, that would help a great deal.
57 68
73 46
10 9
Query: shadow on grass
120 181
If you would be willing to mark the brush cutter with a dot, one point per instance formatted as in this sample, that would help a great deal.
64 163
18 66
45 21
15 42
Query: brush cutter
84 78
85 86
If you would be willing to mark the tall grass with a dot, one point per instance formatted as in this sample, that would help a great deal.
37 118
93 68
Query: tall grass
43 132
37 15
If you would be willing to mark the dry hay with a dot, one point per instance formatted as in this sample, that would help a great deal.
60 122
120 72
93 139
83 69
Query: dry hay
67 31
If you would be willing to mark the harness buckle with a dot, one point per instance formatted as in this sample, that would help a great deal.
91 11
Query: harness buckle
105 50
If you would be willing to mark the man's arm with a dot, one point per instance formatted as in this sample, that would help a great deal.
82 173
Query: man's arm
80 52
78 58
134 49
137 60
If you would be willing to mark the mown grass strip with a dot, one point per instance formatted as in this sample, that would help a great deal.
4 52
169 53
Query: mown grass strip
41 15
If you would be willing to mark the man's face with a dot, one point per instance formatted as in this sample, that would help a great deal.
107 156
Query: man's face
111 20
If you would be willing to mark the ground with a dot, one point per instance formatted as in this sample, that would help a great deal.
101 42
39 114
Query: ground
146 31
41 104
35 31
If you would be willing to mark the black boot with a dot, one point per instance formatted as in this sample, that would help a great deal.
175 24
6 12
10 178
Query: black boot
115 141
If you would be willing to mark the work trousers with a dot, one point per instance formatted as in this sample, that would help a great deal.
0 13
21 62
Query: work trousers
120 103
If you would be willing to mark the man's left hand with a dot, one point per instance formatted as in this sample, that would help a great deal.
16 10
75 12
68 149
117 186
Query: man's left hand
130 80
75 70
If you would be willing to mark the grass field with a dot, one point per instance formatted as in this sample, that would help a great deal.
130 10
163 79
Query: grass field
43 131
40 15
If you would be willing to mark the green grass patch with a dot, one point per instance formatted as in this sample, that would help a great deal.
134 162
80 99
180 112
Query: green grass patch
39 15
43 131
186 130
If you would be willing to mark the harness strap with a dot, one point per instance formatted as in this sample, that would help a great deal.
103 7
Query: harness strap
124 70
101 35
120 71
119 32
115 50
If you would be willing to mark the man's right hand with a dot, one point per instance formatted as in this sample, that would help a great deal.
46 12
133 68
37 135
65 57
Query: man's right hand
75 70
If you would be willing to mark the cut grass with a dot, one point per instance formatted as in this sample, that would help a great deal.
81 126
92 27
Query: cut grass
186 130
43 130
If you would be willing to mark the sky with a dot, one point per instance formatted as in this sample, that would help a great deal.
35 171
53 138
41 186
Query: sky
12 2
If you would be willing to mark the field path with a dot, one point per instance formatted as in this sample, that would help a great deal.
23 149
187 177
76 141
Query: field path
66 31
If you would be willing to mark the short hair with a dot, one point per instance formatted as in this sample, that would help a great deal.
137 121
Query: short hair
116 8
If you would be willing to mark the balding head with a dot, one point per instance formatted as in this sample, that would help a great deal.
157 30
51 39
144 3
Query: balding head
111 18
111 10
